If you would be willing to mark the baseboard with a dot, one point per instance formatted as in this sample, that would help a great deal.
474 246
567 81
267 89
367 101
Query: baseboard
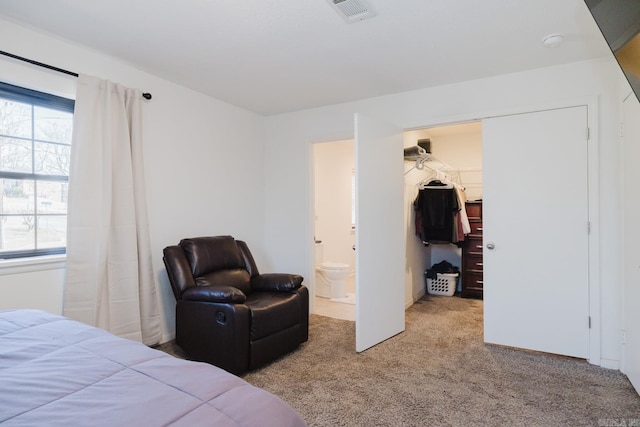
416 297
610 364
167 337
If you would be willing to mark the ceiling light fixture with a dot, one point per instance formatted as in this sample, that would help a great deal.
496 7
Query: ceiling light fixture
553 40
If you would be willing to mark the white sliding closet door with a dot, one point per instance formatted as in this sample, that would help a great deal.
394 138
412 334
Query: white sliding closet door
380 233
535 217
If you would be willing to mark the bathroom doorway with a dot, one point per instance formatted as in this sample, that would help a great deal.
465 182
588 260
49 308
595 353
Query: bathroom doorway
334 229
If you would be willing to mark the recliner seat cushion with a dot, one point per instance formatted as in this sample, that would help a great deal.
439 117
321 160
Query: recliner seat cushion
272 312
224 294
237 278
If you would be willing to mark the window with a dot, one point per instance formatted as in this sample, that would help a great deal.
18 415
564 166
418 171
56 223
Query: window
35 148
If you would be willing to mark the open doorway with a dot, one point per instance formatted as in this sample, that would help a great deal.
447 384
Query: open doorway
454 156
379 234
334 229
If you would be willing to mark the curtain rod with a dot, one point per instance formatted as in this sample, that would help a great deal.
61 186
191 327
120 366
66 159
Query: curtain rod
145 95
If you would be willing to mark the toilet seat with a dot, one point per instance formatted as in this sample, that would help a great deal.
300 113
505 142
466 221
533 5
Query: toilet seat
328 265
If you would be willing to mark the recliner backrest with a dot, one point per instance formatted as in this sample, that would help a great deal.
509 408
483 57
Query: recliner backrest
207 254
250 263
209 261
217 261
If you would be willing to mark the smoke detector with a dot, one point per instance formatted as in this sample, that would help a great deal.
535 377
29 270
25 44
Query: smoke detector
553 40
352 10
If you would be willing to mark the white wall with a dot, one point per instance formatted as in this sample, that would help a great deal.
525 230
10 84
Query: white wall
28 285
460 146
334 163
203 160
288 234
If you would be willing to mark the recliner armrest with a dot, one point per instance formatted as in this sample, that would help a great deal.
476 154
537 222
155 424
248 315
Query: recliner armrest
277 282
227 294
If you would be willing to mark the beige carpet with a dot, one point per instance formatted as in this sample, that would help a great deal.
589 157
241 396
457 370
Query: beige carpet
440 373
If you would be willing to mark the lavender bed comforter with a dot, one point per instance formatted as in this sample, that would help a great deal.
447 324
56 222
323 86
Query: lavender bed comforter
58 372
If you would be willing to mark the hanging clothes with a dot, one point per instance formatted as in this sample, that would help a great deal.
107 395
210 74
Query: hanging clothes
436 206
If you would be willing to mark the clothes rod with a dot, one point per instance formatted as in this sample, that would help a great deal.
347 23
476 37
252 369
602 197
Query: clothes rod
145 95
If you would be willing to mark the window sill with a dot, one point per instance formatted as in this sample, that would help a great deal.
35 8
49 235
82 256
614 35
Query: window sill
27 265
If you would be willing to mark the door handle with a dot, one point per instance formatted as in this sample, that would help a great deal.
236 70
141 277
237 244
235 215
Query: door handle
491 245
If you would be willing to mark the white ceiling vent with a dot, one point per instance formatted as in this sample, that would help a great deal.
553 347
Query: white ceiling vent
352 10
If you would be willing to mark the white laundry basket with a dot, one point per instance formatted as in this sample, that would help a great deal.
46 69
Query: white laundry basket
445 284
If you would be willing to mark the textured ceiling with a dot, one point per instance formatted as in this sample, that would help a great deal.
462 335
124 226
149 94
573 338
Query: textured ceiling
273 56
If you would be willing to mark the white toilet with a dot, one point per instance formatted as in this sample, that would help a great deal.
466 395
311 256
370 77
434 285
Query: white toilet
330 276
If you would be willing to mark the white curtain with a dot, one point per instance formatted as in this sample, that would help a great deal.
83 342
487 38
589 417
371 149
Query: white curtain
109 278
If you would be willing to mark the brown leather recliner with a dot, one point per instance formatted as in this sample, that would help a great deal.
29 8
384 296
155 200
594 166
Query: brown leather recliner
227 313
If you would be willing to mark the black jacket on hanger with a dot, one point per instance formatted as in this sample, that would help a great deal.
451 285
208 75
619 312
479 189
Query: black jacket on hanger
435 213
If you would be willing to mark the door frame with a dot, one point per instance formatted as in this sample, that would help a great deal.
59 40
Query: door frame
311 215
593 178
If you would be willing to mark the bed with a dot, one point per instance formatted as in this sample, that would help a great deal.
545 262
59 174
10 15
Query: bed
58 372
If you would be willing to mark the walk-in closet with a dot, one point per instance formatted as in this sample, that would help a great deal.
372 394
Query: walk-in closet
443 206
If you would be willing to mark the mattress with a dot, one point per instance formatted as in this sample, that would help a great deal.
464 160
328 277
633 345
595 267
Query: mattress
58 372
